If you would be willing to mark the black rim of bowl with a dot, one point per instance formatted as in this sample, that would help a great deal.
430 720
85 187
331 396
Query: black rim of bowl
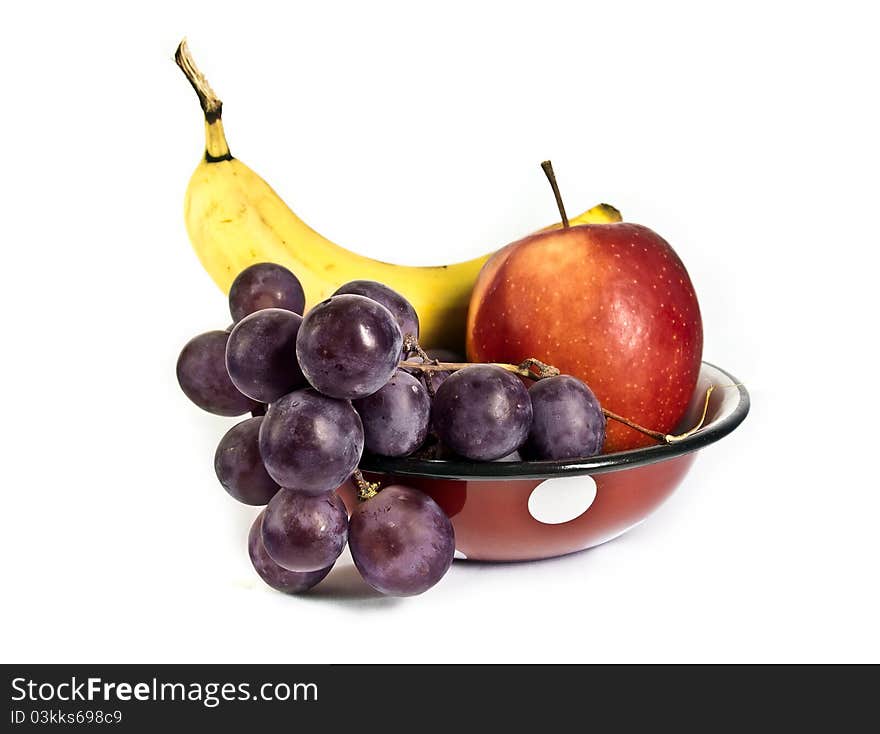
464 469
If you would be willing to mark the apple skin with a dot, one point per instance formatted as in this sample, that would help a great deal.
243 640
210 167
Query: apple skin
611 304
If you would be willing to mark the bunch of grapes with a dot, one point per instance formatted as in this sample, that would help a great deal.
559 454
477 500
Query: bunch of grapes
323 388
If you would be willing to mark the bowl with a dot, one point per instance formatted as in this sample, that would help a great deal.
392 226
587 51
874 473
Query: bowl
528 510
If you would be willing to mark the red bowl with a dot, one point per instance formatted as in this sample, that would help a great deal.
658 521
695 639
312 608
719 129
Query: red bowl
526 510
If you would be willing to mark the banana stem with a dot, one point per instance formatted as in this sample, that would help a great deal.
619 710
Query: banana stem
210 102
216 148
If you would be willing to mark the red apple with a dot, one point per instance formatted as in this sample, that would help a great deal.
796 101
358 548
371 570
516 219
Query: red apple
611 304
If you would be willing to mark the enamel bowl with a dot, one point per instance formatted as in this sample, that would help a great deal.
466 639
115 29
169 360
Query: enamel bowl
516 511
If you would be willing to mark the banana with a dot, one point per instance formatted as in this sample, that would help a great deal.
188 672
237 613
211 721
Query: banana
234 219
599 214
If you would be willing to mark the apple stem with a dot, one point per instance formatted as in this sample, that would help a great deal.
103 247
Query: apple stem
547 167
366 490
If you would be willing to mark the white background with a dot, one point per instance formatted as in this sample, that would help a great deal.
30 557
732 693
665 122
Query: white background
746 136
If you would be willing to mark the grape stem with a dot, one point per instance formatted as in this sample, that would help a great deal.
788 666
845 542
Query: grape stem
411 344
365 490
532 368
656 435
535 369
683 436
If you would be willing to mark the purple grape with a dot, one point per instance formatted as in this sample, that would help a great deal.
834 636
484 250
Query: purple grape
401 309
201 372
290 582
239 466
482 412
261 354
259 410
395 418
310 442
567 422
348 346
303 532
401 541
265 285
435 378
